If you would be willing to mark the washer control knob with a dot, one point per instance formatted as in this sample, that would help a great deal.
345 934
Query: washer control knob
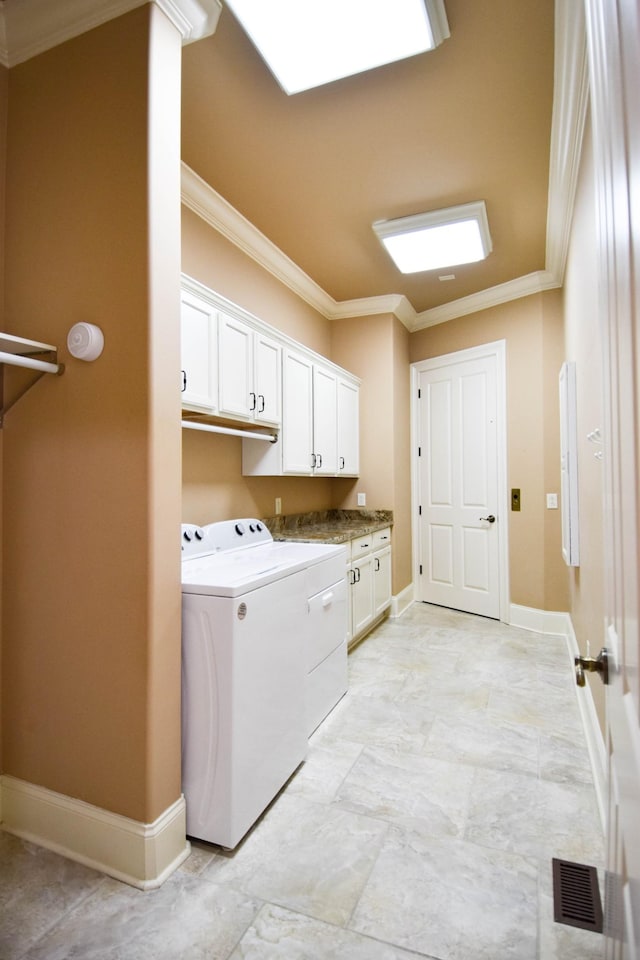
199 533
240 529
186 534
252 527
259 527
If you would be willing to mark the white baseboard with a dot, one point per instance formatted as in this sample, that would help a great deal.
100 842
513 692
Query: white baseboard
402 601
558 624
550 622
140 854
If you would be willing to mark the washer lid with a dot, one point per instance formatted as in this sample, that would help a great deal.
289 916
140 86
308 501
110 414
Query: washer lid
233 572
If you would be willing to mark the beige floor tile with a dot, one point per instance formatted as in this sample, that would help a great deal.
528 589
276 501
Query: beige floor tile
278 934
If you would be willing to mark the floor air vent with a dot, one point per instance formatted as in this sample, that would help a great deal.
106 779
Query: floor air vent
576 895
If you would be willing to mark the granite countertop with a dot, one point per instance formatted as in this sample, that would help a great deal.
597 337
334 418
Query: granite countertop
328 526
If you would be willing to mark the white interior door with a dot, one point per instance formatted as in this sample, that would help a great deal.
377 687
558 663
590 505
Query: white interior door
613 33
458 486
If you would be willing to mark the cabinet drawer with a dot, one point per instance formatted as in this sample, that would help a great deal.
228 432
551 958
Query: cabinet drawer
361 546
382 538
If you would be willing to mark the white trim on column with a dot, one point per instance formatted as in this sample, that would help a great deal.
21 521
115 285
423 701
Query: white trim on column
140 854
29 27
570 102
402 601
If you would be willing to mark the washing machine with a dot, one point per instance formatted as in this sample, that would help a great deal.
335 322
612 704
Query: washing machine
259 617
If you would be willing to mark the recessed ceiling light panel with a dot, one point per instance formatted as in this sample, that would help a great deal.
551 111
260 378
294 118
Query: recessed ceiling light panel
441 238
306 43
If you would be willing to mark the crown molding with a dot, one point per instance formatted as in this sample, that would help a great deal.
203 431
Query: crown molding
200 197
491 297
570 103
29 27
203 200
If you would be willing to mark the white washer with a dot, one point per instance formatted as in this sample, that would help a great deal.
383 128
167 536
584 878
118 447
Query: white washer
248 617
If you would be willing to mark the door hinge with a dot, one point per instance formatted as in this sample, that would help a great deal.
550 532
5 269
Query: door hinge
420 511
419 451
420 569
419 393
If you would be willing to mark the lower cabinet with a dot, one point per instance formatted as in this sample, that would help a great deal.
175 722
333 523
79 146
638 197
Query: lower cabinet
369 581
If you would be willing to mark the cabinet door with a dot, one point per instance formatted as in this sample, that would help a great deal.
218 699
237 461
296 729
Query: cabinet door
267 379
325 440
297 413
199 353
361 593
348 429
381 580
235 368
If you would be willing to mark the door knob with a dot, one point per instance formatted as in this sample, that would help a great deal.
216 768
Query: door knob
599 664
489 519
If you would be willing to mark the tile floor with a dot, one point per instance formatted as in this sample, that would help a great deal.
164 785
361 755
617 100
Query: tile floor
422 825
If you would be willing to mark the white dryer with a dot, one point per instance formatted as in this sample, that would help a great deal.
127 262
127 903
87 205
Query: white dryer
258 619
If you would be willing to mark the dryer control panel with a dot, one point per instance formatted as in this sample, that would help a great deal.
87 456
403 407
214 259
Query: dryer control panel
199 541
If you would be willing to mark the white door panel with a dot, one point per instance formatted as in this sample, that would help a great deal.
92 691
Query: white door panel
458 485
613 29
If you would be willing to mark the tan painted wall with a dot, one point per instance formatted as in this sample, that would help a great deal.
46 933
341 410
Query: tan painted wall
92 460
532 328
583 345
376 349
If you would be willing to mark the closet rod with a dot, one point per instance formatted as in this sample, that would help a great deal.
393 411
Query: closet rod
17 360
214 428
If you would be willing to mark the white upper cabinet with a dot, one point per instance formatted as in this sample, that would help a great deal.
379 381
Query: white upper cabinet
249 365
348 418
199 354
236 366
297 415
325 440
267 372
320 416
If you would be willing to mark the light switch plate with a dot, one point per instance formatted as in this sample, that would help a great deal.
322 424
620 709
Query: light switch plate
552 501
362 499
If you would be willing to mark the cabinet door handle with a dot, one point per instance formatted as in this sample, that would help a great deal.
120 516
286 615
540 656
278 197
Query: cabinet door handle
253 402
352 577
184 380
377 567
357 571
319 463
342 463
313 461
261 399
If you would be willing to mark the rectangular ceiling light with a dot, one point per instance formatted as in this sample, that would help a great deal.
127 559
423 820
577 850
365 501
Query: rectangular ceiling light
442 238
306 43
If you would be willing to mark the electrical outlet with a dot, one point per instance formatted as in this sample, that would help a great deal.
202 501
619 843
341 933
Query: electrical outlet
278 506
552 501
362 499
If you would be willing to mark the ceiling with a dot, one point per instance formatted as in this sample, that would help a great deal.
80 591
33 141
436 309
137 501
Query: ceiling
468 121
